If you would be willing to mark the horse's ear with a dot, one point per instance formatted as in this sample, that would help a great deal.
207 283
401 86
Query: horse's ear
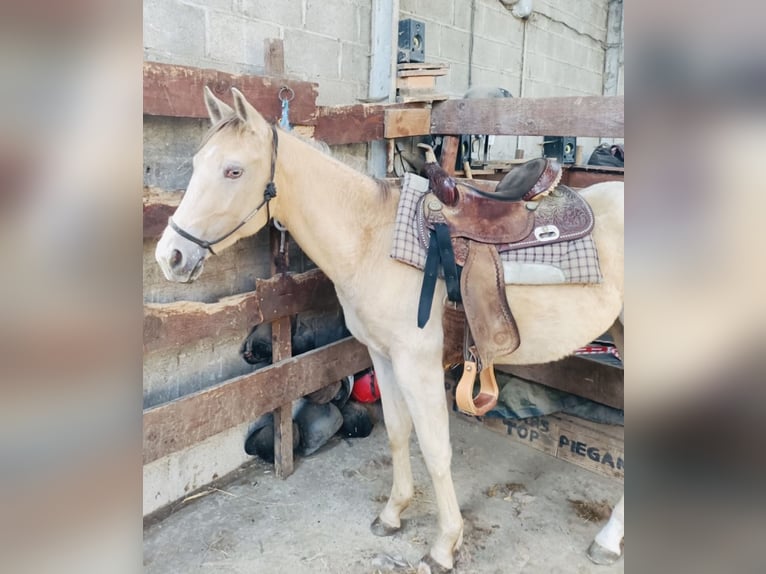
246 112
217 109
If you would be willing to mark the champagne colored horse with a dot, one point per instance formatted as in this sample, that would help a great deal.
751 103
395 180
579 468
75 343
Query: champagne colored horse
343 220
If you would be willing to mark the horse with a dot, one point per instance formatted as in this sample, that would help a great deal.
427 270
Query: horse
248 172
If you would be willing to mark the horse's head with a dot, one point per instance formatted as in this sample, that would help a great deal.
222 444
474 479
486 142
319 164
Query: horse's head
229 192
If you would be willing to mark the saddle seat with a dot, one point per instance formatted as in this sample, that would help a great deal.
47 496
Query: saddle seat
465 240
527 181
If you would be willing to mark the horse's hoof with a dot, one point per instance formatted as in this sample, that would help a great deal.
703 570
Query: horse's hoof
380 529
430 566
602 556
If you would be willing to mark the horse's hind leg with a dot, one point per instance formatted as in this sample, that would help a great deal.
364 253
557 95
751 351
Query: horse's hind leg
399 427
617 331
606 547
421 381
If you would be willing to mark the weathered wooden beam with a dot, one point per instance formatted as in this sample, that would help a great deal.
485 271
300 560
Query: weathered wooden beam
337 125
158 206
274 56
176 91
450 145
173 325
191 419
400 123
583 176
281 348
586 378
597 116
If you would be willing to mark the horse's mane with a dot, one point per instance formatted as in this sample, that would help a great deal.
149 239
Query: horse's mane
237 123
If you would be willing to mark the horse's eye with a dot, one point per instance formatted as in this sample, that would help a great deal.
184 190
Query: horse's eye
233 172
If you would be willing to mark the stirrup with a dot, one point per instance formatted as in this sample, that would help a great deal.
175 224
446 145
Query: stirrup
486 399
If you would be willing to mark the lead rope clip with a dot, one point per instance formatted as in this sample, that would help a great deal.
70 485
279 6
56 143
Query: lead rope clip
289 94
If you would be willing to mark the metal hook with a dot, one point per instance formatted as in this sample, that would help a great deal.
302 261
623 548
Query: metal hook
289 90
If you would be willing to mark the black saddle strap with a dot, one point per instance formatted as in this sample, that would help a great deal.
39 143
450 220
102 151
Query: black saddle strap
440 253
447 256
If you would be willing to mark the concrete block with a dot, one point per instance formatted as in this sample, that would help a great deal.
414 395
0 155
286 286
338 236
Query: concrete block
487 53
311 56
408 7
255 34
456 82
461 15
498 25
355 63
363 25
225 37
453 44
174 28
340 92
169 145
221 5
335 18
435 10
285 13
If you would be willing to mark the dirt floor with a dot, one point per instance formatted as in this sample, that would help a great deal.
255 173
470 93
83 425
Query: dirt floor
516 504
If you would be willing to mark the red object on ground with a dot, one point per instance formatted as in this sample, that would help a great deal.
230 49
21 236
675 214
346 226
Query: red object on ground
366 388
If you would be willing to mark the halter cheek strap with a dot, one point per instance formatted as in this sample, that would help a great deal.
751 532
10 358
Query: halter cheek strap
269 193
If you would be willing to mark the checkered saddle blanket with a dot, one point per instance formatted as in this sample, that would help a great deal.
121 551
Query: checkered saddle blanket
531 261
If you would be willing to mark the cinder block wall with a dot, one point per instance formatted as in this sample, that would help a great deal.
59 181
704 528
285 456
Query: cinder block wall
326 41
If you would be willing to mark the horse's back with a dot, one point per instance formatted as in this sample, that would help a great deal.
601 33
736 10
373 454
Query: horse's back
555 320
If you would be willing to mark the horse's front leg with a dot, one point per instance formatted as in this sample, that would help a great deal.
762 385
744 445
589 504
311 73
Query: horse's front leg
606 546
421 380
399 427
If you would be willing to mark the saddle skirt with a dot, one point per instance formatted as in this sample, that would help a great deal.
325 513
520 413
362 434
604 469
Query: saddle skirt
534 259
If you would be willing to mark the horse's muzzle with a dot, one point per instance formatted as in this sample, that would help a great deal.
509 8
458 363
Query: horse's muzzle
180 260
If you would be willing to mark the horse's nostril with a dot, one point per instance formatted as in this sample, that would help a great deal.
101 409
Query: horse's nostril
175 258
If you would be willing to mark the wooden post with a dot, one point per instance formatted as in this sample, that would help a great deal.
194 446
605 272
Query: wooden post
449 153
274 56
281 348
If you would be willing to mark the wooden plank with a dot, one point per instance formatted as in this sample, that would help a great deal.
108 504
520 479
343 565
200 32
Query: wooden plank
281 348
193 418
274 56
586 378
407 122
158 207
168 325
421 66
450 145
176 91
597 448
337 125
597 116
591 448
582 176
440 71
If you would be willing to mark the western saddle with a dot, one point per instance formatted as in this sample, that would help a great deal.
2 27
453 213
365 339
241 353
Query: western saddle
465 237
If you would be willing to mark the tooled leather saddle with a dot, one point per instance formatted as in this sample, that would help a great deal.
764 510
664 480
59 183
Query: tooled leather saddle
466 230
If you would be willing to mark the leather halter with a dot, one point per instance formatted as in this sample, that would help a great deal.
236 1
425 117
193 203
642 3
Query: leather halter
268 194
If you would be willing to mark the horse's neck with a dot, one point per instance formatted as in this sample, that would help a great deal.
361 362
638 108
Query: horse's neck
335 213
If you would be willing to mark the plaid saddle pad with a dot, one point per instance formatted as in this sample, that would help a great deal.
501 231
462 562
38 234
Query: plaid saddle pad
574 261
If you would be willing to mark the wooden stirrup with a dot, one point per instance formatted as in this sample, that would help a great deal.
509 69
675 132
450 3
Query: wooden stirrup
486 399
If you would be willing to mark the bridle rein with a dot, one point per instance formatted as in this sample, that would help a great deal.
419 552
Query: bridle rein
269 193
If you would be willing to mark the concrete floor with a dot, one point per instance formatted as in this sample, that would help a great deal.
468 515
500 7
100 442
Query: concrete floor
317 521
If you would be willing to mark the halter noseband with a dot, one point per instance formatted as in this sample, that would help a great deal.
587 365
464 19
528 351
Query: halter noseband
268 194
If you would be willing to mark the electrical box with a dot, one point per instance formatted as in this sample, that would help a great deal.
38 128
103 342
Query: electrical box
412 41
562 148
